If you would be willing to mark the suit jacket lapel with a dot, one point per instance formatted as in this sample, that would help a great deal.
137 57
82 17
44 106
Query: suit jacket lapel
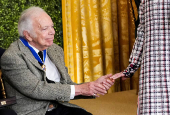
26 51
56 59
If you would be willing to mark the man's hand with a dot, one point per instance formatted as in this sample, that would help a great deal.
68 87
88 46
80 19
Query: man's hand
105 81
90 89
95 88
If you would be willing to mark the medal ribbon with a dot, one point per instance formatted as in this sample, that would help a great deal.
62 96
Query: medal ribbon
33 51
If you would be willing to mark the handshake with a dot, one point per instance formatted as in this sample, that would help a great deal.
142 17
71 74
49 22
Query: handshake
98 87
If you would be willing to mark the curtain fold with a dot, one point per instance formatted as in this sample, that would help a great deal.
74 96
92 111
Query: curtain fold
98 38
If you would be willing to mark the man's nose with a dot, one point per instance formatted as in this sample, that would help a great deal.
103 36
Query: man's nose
52 31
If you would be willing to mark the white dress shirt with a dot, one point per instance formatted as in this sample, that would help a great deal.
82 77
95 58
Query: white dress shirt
52 72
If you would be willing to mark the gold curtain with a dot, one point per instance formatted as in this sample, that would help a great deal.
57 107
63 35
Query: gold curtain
98 38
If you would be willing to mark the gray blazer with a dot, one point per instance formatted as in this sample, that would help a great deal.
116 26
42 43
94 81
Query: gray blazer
25 79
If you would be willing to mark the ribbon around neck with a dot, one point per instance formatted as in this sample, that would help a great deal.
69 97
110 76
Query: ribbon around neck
33 51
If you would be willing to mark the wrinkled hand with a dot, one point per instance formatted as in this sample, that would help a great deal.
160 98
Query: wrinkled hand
95 88
90 89
118 75
105 81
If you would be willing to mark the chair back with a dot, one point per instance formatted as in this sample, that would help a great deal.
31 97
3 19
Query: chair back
3 94
1 52
4 101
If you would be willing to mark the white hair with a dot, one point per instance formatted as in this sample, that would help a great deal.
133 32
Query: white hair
26 20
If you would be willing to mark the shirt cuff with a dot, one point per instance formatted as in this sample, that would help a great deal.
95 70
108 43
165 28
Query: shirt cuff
72 95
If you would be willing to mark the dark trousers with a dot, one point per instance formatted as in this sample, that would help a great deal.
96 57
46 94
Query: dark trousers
6 111
64 110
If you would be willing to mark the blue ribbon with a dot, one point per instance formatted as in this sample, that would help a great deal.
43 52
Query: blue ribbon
33 51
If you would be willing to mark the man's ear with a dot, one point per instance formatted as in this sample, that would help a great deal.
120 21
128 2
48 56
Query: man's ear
27 36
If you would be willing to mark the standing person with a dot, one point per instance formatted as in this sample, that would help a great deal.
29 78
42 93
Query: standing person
151 52
34 71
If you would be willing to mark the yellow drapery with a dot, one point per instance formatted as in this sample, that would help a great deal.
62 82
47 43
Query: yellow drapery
98 38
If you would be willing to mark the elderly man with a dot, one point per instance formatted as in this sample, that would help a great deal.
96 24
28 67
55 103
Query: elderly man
35 72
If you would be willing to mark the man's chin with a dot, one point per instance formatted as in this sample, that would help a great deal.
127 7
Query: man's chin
49 44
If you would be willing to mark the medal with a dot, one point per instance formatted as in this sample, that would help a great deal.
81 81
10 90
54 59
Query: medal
43 67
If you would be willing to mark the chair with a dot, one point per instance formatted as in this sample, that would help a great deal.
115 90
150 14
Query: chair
4 100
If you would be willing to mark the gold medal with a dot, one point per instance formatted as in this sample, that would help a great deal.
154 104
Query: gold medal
43 67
